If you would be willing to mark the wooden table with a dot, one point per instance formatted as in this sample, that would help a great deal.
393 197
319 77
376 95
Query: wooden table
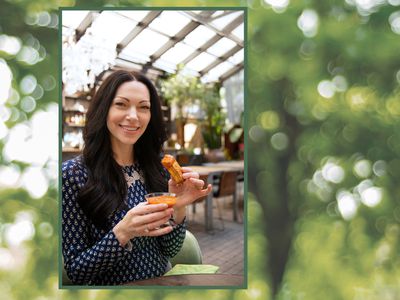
193 280
234 164
208 172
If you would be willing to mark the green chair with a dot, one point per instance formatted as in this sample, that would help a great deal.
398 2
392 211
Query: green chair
190 253
189 259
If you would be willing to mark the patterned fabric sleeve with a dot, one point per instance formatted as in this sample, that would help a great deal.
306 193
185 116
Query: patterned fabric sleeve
83 259
171 243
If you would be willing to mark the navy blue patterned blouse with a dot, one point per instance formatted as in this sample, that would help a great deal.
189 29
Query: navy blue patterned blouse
93 256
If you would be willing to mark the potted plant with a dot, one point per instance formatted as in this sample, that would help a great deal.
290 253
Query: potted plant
213 125
214 117
181 90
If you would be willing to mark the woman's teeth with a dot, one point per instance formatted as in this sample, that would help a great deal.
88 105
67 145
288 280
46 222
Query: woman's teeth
130 128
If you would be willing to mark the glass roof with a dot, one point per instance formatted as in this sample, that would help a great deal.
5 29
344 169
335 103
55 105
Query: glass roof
239 31
178 53
219 70
136 15
135 57
163 22
165 65
224 20
141 44
201 61
237 58
199 36
208 43
221 47
101 26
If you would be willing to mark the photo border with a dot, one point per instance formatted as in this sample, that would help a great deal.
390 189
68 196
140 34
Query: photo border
245 121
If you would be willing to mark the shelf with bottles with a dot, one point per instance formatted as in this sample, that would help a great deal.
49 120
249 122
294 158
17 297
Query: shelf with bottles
74 118
78 97
78 103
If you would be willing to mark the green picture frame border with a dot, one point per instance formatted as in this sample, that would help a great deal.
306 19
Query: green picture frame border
245 118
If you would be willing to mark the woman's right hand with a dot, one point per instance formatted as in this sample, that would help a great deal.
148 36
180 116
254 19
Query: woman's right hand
143 220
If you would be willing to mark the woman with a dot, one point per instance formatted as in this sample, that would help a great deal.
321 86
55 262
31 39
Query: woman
109 235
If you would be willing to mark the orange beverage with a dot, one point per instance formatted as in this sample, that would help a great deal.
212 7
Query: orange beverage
157 198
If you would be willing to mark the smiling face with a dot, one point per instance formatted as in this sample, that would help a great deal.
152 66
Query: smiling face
128 115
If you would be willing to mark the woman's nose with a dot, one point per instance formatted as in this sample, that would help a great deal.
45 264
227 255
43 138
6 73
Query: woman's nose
132 113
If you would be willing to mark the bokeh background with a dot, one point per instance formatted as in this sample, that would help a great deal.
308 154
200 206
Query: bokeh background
323 126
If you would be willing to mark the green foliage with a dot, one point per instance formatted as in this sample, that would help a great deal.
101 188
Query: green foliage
214 122
181 90
329 101
300 244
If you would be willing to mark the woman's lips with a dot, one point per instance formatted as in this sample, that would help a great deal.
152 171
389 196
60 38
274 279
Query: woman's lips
129 128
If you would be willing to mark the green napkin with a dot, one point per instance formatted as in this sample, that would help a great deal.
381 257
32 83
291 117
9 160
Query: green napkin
180 269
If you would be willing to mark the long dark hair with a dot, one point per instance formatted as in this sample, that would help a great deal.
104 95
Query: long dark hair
106 187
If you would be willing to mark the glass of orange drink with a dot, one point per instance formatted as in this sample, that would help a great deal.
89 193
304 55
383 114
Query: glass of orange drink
162 197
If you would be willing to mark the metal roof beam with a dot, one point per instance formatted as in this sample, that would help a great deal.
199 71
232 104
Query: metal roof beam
138 29
226 31
85 24
231 72
202 48
174 40
220 59
220 34
192 25
225 13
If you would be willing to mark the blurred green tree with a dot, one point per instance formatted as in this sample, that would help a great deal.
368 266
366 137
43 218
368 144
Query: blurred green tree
323 142
323 133
29 210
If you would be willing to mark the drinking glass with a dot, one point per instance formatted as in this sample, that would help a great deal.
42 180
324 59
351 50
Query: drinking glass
162 197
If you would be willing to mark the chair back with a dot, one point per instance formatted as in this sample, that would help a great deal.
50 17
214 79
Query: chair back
190 252
183 159
227 184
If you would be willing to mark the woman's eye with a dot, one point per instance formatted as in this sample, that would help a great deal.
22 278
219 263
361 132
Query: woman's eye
121 104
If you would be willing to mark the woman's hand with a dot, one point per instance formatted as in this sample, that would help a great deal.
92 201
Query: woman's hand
190 190
143 220
187 192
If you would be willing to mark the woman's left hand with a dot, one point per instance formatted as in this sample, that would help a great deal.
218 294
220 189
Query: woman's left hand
190 190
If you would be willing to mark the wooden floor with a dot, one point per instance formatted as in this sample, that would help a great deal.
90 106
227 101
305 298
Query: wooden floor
220 247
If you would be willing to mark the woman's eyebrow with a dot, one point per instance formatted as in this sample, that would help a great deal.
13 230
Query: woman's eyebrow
126 99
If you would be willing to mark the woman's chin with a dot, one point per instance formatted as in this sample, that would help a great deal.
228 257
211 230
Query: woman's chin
126 140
